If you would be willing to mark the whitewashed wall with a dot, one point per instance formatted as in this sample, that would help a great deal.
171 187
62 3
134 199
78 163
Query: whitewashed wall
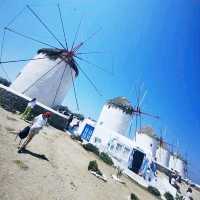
177 164
114 119
83 124
163 156
147 143
45 89
117 145
103 134
172 161
180 167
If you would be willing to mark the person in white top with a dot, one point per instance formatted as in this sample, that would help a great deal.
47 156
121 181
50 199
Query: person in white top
37 125
188 195
25 115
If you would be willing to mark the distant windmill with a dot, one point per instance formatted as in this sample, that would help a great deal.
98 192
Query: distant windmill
163 151
138 112
54 69
162 141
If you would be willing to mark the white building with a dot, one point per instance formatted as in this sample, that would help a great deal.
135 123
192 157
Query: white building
177 163
163 155
116 115
108 133
47 77
86 128
146 140
114 120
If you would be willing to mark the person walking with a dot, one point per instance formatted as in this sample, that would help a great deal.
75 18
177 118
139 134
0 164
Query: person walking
26 114
188 195
153 170
69 120
37 125
144 168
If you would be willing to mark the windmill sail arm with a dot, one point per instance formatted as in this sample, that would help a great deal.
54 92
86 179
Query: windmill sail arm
21 60
150 115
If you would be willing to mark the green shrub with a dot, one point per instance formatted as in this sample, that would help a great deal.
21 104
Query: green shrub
106 158
21 164
168 196
30 117
93 166
92 148
133 197
154 191
178 197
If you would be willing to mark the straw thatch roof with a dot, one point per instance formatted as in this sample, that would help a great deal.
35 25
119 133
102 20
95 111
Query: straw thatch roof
121 103
53 54
148 130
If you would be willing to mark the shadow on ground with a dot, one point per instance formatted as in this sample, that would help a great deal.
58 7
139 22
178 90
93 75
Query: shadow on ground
40 156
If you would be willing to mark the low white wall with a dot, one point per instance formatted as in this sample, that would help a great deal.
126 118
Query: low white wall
117 145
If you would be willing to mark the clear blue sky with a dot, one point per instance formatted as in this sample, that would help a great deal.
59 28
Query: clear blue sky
155 42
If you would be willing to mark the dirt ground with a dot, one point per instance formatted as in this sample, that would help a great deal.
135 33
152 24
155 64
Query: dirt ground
54 167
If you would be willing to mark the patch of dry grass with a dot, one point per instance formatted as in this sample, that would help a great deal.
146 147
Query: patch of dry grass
11 130
21 164
11 118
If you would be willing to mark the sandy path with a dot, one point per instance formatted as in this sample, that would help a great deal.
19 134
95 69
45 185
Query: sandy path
64 176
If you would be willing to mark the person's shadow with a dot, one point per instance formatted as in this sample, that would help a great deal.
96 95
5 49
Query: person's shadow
40 156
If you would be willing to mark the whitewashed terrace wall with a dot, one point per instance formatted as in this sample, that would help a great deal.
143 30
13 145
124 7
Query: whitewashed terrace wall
14 101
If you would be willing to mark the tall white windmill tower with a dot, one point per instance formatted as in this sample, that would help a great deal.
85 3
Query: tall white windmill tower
114 120
50 74
116 115
47 77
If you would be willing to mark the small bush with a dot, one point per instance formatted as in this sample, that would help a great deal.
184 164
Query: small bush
76 137
21 164
92 148
93 166
154 191
168 196
30 117
106 158
133 197
178 197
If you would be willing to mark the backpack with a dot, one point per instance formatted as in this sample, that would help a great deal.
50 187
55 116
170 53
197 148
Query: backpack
24 133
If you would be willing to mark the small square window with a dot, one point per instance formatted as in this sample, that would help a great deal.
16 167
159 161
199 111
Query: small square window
100 123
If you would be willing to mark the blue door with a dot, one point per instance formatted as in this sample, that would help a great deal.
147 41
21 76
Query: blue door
87 132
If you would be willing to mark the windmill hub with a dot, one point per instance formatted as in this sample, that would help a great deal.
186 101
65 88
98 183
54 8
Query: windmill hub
68 54
137 110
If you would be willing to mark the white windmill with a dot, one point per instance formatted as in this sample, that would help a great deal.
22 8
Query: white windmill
144 137
163 151
49 75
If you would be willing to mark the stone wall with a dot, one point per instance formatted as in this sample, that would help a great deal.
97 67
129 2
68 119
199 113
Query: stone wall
12 102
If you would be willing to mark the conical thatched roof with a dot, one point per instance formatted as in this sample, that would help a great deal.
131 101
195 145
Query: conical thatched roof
53 54
148 130
121 103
